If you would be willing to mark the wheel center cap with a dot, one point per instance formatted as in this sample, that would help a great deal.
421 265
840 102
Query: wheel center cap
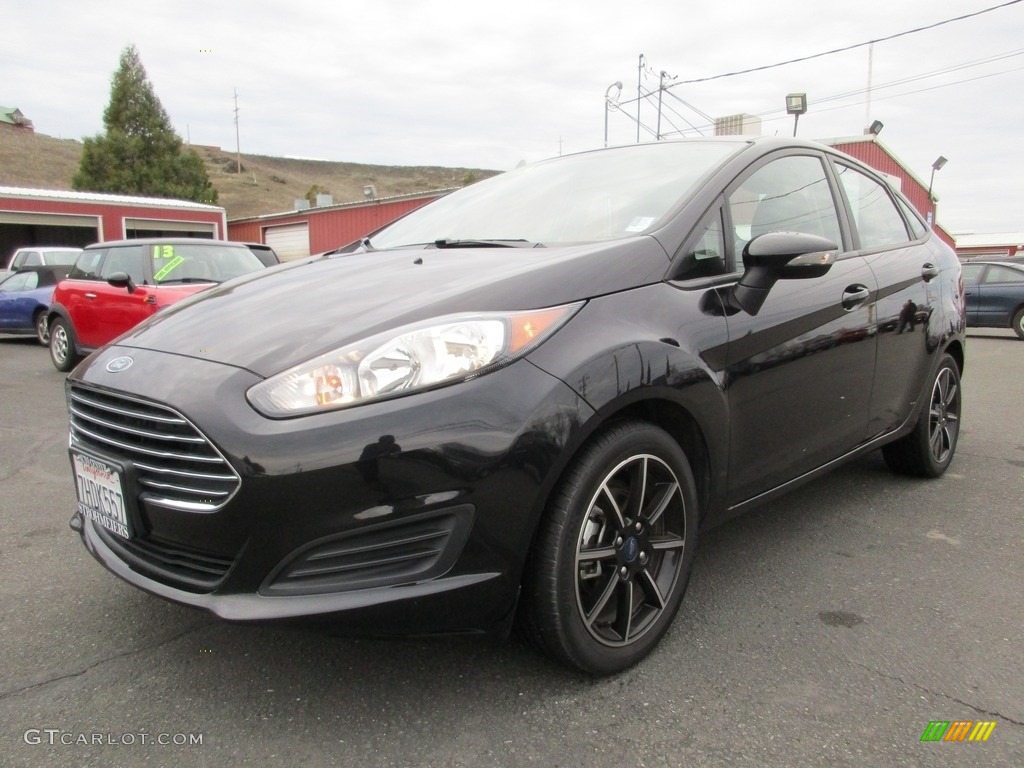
630 549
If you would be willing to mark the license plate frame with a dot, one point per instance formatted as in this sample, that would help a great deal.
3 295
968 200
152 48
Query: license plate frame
100 490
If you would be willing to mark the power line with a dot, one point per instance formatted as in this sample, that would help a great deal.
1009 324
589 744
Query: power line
925 75
930 88
891 84
846 48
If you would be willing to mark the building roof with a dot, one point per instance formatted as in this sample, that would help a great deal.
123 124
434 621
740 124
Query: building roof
13 116
97 197
354 204
989 240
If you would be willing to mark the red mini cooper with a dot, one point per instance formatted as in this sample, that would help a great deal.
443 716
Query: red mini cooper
115 286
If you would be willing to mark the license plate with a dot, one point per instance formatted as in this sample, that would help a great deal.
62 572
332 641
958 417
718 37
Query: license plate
100 494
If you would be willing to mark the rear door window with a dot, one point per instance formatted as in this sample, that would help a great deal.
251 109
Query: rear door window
875 215
997 274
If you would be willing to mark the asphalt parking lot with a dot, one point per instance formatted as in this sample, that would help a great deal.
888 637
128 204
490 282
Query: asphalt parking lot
829 627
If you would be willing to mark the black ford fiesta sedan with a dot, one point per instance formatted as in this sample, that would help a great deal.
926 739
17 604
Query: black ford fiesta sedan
526 400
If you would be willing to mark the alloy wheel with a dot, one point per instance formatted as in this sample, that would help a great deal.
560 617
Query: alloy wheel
59 343
629 550
944 415
42 328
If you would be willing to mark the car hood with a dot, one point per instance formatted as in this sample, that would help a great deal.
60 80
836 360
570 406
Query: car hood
273 319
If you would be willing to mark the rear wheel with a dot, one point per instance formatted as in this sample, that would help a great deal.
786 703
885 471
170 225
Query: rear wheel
1018 323
42 328
614 552
62 345
929 449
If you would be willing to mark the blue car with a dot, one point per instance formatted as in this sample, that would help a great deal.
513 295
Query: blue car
24 298
995 295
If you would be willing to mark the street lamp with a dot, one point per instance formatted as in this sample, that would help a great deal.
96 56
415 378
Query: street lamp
796 105
936 166
608 101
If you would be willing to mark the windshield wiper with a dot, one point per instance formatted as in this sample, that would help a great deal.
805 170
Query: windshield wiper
189 280
518 243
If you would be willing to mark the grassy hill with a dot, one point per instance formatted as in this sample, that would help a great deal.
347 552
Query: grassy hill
265 185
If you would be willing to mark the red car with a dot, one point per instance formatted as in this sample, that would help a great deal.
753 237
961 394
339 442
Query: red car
115 286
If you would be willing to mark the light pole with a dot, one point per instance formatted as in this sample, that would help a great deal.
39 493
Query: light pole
796 105
608 104
936 166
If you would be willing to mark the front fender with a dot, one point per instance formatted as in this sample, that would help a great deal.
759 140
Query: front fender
654 345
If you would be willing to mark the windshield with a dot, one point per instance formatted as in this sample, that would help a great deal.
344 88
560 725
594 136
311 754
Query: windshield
200 262
602 195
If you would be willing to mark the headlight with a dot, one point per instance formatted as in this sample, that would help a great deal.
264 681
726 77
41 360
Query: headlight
432 353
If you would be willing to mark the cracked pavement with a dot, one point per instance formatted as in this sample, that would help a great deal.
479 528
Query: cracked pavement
826 628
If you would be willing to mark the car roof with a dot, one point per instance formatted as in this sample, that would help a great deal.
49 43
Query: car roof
997 262
48 248
165 241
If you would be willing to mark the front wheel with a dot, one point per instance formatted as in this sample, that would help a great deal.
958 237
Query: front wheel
62 345
928 450
1018 323
613 556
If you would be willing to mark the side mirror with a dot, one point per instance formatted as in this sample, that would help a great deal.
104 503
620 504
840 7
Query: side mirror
779 256
121 280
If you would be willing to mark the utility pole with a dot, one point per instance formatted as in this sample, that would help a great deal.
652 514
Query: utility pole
639 75
867 110
238 146
661 90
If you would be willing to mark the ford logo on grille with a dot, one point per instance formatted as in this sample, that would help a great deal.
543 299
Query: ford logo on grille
119 364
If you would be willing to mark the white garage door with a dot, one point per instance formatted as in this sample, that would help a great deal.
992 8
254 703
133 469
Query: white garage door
289 241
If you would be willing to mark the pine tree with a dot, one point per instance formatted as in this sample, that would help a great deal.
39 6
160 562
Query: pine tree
140 154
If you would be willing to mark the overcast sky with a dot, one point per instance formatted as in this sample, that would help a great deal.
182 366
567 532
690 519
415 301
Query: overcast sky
488 84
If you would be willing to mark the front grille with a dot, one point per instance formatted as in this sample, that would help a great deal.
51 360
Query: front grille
404 551
175 466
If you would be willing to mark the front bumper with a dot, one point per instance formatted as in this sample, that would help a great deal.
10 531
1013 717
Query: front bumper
411 515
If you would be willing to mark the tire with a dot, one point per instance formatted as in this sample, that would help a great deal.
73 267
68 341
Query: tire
928 450
62 345
614 551
42 328
1018 323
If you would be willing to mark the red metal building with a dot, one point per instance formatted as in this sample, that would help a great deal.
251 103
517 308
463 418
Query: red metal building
60 217
295 234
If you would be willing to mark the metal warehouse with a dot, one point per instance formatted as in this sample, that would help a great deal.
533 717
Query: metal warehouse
299 233
60 217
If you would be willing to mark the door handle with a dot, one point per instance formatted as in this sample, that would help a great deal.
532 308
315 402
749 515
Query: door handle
90 296
855 295
929 272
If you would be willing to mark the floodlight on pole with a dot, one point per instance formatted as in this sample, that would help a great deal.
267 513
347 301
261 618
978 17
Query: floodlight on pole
609 100
940 161
796 105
